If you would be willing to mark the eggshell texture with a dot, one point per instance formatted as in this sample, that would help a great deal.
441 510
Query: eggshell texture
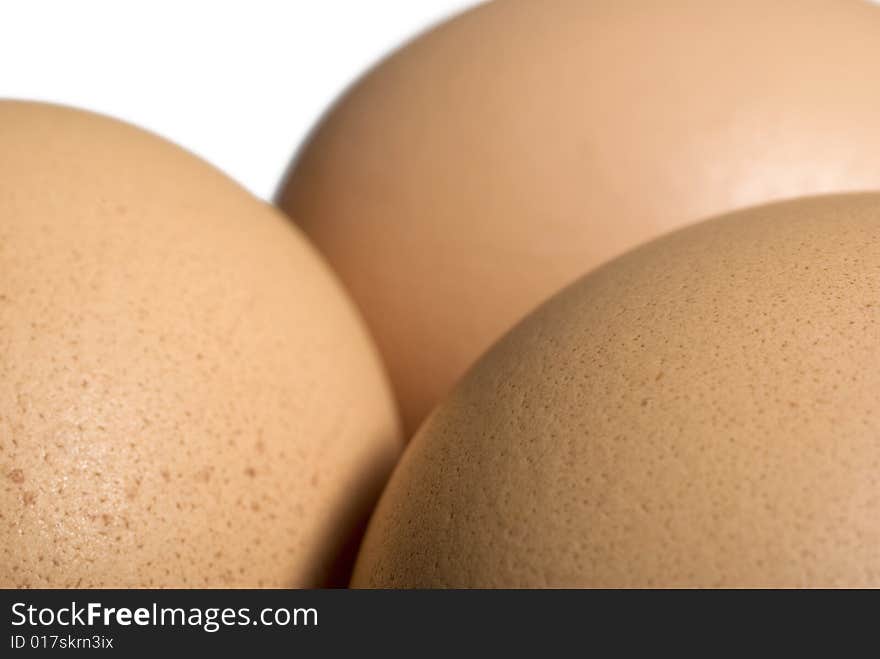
702 411
502 155
187 398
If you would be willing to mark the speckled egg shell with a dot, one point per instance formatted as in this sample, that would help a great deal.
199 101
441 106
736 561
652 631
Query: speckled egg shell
703 411
187 398
505 153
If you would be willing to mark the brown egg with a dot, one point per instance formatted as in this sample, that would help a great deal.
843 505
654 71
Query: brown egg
702 411
187 398
510 150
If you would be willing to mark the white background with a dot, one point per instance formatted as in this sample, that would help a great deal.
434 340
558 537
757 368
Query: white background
240 82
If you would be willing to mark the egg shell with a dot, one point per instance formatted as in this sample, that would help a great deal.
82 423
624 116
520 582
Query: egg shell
508 151
187 397
703 411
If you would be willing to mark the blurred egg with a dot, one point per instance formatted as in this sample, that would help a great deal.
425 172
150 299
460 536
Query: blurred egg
187 398
702 411
517 146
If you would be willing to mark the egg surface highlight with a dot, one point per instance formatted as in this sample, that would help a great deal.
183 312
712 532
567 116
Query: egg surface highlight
187 397
703 411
